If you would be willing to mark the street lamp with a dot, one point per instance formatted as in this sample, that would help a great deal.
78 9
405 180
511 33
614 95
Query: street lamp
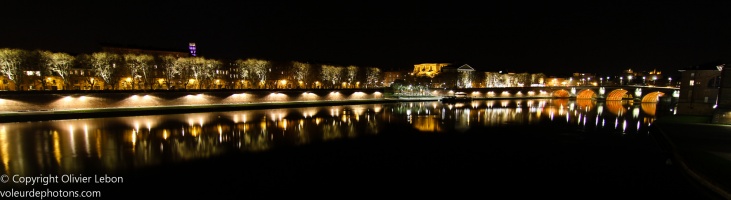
670 81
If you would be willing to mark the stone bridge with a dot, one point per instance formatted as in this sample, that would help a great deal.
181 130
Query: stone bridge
603 93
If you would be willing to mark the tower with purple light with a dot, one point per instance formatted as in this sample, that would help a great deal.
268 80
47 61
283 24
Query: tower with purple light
191 46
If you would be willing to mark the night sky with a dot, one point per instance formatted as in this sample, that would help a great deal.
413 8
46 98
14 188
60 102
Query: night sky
552 38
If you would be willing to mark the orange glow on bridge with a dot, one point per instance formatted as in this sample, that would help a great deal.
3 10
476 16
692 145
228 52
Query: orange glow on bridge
617 95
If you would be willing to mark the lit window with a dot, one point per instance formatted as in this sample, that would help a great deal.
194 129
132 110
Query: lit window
691 82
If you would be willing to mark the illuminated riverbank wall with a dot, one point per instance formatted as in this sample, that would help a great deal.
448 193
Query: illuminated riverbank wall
72 100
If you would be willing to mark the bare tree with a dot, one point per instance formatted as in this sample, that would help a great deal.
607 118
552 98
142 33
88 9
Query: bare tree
373 75
352 73
301 73
197 69
331 74
170 69
243 70
105 66
492 79
465 80
538 79
10 64
184 67
209 71
140 68
59 63
260 68
522 79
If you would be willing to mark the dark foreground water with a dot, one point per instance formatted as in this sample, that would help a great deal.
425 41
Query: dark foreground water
504 149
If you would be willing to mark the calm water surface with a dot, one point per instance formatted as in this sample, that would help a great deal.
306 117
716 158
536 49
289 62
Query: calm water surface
124 143
487 140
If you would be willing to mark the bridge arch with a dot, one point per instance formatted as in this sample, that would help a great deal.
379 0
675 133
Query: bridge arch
586 94
560 93
652 97
618 94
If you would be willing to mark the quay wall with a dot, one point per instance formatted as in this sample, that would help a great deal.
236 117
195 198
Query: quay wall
75 100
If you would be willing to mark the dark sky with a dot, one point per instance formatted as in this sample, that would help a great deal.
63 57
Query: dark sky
553 38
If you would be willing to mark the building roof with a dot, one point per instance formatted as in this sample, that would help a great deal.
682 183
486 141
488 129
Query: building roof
705 66
465 67
458 67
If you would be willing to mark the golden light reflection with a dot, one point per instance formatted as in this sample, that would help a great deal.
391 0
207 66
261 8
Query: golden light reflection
616 107
649 108
57 147
72 140
4 145
377 108
98 144
133 139
261 133
195 131
504 103
86 140
585 104
427 124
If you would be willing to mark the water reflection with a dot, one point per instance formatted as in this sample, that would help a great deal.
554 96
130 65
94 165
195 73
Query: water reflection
124 143
430 117
117 144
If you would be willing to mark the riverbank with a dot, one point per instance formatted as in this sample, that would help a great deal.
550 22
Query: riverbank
42 115
699 149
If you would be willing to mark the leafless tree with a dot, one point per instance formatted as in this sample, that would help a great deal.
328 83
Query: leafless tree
352 73
209 71
301 72
10 64
140 66
59 63
170 69
260 68
331 74
185 68
373 75
105 66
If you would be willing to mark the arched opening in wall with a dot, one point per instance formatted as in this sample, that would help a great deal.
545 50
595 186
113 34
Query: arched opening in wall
652 97
560 94
586 94
618 94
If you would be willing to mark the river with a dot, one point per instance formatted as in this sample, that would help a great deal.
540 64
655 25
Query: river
535 147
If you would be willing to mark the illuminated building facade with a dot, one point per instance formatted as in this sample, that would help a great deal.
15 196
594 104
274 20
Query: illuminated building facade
699 89
391 76
428 69
191 47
